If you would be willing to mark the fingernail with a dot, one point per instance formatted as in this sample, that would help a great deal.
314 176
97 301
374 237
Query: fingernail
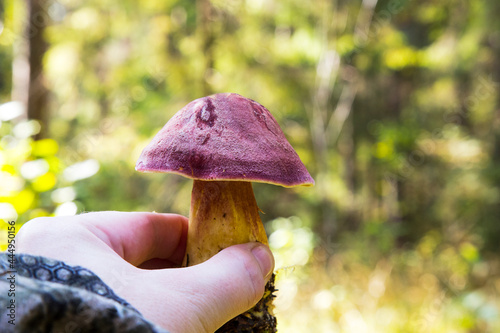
265 259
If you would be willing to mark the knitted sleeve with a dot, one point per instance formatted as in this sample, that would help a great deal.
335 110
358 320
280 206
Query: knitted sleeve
39 294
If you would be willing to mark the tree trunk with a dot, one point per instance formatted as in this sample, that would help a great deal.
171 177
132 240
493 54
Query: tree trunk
205 12
38 19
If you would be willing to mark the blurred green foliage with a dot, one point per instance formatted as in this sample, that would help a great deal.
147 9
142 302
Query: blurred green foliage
391 104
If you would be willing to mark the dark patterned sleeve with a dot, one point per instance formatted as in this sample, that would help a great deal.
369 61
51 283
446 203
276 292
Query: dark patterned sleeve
39 295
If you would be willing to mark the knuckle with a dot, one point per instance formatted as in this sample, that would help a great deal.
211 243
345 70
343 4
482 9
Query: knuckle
39 231
32 228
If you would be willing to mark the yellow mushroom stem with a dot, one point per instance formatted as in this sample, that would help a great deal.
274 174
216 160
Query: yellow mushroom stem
223 213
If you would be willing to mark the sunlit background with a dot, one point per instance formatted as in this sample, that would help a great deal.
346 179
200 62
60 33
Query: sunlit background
393 106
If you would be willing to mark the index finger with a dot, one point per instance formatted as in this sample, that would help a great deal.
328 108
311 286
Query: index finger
139 237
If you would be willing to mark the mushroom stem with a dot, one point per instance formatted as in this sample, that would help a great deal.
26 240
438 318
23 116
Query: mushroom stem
223 213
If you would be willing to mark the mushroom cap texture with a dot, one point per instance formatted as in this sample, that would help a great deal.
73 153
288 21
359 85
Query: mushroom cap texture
225 137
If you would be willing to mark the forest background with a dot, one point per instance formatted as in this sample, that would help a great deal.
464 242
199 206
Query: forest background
393 106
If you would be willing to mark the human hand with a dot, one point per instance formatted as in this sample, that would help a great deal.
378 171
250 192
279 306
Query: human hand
139 254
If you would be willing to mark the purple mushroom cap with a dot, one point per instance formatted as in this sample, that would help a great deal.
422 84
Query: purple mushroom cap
225 137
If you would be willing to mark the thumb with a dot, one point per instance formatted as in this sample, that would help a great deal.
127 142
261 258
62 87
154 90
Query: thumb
203 297
230 283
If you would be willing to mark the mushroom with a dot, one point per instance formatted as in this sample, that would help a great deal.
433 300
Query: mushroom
224 142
